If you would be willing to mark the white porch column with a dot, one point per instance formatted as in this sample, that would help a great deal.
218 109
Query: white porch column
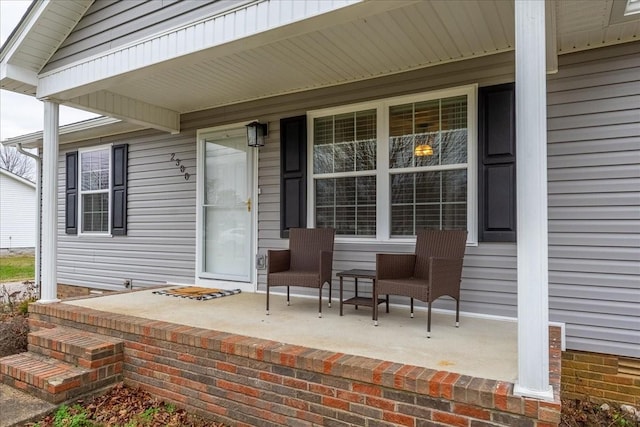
49 290
531 152
38 247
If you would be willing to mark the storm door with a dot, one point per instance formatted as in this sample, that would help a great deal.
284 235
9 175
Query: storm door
227 206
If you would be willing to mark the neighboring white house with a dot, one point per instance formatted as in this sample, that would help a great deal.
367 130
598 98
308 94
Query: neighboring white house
17 211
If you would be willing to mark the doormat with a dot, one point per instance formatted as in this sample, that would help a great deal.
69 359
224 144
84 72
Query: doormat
197 293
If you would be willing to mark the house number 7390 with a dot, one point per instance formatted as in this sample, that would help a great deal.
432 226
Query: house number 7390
180 166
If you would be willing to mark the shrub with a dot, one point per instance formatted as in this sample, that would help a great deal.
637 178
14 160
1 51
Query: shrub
14 326
14 329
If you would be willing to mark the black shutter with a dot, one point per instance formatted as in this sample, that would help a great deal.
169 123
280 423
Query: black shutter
497 163
293 174
71 194
119 190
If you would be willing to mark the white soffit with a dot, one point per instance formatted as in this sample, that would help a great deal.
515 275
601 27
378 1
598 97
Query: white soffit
225 28
362 41
588 24
42 31
274 47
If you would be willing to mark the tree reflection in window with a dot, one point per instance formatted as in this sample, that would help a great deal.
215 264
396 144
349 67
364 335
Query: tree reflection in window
344 145
426 170
434 196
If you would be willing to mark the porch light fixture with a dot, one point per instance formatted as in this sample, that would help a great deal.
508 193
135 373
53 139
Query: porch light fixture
256 134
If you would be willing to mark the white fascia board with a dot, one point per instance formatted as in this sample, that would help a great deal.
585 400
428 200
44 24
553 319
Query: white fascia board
87 129
83 76
16 73
129 109
17 178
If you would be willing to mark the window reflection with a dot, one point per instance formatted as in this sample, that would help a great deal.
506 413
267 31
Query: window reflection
430 198
94 190
344 144
426 167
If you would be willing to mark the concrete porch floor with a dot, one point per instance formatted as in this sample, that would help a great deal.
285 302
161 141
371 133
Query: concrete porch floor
480 347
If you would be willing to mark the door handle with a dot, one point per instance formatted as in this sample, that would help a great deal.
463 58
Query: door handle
248 202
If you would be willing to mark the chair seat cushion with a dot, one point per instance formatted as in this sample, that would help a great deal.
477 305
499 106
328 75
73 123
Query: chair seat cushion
410 287
294 278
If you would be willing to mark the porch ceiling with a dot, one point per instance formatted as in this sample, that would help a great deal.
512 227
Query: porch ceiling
370 45
363 42
50 23
348 43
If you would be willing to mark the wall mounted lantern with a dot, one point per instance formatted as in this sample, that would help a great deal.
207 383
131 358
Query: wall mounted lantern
256 134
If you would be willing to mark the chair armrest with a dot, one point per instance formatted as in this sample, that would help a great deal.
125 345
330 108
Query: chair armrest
445 275
278 260
326 266
394 266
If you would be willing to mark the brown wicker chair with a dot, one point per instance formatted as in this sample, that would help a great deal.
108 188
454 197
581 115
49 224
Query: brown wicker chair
308 262
433 271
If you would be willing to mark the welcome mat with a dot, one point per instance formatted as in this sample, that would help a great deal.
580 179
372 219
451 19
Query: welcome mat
197 293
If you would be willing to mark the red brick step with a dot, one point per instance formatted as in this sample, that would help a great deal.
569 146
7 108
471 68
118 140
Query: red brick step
64 363
77 347
49 379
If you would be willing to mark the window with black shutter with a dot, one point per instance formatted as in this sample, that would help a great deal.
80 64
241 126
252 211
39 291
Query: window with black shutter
96 191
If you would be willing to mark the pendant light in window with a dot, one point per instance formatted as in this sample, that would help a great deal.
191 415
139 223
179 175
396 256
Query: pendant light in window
425 147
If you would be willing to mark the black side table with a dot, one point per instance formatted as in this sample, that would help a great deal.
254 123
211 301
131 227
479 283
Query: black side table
359 300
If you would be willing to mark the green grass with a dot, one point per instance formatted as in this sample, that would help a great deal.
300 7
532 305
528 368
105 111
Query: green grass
15 268
72 417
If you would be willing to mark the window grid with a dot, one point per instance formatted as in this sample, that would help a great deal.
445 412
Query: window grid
95 186
454 128
344 162
411 214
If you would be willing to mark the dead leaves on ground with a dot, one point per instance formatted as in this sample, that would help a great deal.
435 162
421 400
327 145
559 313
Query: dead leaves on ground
123 406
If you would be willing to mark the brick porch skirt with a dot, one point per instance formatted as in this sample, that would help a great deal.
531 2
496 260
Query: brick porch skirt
247 381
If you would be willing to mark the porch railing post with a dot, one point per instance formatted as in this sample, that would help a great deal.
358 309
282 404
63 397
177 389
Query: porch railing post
532 246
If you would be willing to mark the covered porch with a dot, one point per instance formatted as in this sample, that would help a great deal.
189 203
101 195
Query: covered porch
225 357
310 39
209 72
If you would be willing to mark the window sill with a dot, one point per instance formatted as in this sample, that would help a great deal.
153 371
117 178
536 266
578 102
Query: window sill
400 241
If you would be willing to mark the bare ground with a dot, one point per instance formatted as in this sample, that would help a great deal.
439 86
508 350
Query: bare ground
124 406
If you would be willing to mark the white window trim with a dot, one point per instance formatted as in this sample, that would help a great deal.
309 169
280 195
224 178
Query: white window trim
107 147
383 213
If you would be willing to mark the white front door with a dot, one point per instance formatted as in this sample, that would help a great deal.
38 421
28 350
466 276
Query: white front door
226 206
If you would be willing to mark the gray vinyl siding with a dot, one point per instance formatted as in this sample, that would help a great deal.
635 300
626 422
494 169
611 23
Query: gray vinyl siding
161 240
489 275
594 199
112 23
